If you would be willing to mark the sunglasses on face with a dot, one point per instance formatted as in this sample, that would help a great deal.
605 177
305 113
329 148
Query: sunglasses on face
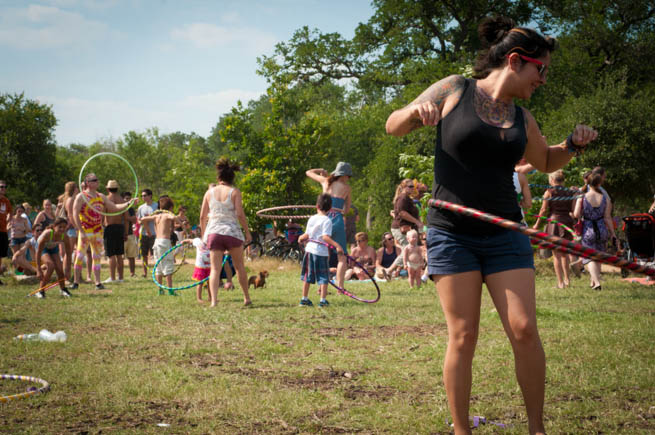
389 239
93 180
3 187
542 68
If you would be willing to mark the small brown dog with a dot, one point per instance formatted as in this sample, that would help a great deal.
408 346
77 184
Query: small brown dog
258 280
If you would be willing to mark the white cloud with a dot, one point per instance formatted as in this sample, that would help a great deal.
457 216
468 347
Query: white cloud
207 35
45 27
86 121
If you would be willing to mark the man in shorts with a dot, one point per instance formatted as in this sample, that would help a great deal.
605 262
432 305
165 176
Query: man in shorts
148 230
114 236
130 244
5 217
88 222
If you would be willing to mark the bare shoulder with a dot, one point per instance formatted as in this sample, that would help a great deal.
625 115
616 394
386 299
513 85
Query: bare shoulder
439 91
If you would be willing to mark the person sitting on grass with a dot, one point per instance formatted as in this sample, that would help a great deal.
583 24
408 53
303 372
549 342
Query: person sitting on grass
413 259
315 262
164 221
25 258
48 252
365 255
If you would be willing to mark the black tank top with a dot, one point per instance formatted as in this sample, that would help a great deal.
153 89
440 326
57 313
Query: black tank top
473 166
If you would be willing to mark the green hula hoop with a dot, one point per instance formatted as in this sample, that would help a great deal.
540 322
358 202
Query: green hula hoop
172 290
136 181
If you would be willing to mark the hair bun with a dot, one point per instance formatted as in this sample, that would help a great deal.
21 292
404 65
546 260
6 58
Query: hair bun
492 30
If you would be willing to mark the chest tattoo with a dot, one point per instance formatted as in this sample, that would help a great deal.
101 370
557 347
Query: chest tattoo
496 113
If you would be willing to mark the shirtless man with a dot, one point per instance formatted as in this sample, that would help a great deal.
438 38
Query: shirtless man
114 235
164 219
88 223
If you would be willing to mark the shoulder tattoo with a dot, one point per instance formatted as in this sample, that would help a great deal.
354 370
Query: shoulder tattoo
438 92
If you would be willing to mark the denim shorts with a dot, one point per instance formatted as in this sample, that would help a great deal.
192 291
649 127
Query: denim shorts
450 253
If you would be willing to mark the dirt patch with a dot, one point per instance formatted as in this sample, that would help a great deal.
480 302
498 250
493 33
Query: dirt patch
378 393
322 379
385 331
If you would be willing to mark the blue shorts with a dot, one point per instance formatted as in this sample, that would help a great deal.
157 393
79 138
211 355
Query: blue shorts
51 251
450 253
315 269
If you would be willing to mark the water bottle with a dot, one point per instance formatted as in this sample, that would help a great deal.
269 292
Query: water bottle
45 335
27 337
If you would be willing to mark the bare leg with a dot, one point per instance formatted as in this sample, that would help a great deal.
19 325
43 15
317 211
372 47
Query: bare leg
305 289
557 265
341 270
132 263
121 269
594 272
112 267
460 295
216 259
513 293
237 260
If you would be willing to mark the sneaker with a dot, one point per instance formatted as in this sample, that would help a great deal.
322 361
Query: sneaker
306 303
100 286
108 281
74 286
65 293
323 304
40 295
119 281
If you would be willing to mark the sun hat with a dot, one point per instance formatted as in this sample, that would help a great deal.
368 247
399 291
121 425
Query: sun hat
343 168
112 184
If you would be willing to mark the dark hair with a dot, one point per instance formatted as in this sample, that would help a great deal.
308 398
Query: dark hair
324 202
225 170
165 203
598 170
18 206
37 227
58 221
147 192
594 180
124 194
499 37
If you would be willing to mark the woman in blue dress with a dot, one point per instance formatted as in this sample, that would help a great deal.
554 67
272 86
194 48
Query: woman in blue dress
336 185
594 208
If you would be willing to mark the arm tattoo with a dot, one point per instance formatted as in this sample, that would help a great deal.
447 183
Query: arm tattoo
438 92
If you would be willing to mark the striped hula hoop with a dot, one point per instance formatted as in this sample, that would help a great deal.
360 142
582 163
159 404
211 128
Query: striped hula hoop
264 213
45 386
172 290
551 220
571 247
46 287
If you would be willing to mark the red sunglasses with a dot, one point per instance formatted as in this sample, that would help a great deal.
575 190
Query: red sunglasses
542 68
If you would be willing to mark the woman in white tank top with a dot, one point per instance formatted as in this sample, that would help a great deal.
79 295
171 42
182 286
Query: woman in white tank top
221 221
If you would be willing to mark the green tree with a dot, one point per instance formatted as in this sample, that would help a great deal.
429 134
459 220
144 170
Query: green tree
28 148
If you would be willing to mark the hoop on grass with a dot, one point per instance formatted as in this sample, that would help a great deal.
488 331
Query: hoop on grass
136 182
343 290
559 243
46 287
265 212
45 386
172 290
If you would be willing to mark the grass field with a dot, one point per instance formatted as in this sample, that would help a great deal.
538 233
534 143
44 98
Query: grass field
134 360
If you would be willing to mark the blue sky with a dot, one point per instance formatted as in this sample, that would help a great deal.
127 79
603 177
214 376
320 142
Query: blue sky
107 67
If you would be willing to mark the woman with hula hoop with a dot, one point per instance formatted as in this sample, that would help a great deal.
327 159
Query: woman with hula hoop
88 209
220 216
47 252
336 185
561 211
481 135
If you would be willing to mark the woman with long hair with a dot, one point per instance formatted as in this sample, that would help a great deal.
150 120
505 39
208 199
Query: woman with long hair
481 135
560 210
336 185
222 220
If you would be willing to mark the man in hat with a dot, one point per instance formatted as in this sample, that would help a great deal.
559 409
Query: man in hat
88 223
114 235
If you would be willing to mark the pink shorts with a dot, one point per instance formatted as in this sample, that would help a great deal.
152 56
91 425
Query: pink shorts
200 273
219 242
